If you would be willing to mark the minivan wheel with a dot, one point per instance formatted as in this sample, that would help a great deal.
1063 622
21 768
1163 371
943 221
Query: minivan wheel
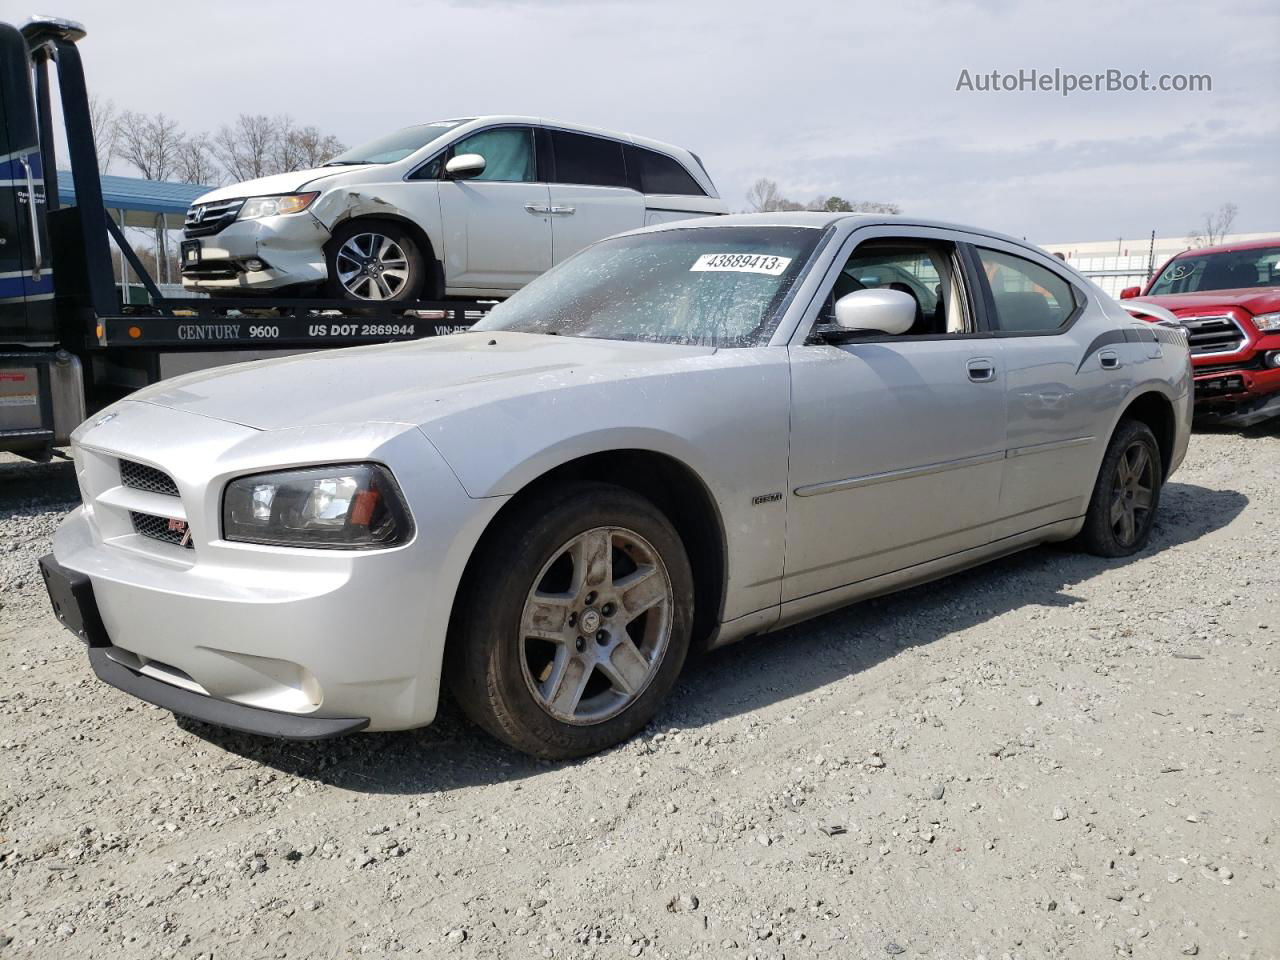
574 622
1126 494
374 260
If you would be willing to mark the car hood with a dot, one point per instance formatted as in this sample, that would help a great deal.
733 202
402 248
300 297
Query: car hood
411 383
1254 299
276 184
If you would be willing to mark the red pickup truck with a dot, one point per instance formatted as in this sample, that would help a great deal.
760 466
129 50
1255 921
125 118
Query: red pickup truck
1228 298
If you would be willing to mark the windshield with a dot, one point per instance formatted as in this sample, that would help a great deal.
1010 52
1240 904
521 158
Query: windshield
710 286
1229 270
395 146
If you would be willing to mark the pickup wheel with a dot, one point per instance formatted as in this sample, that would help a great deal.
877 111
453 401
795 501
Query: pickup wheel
374 260
574 622
1125 495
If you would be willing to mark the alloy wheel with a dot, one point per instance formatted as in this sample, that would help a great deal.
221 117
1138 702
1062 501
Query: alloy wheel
596 625
1132 493
371 266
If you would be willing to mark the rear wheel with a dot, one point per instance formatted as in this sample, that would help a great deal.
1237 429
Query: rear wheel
1126 494
374 260
574 623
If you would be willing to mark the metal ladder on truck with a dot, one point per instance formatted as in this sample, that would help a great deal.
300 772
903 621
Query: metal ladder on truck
68 346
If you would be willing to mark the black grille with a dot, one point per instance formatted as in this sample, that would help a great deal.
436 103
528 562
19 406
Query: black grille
206 219
161 528
1208 335
141 477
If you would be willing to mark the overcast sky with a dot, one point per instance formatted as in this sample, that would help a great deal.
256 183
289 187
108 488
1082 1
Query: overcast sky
841 97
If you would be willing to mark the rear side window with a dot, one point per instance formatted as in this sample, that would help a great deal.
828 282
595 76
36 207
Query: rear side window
588 160
659 173
1028 297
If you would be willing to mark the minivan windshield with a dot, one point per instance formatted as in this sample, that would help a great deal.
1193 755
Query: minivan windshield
395 146
710 286
1226 270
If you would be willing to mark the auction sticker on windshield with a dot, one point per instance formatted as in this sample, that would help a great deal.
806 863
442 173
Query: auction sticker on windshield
742 263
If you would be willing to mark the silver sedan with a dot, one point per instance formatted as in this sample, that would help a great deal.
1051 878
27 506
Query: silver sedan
680 437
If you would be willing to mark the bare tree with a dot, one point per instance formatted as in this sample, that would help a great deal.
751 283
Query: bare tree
195 161
763 197
286 149
149 142
1215 227
247 148
102 121
317 148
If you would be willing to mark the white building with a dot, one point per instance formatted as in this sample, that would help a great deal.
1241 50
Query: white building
1116 264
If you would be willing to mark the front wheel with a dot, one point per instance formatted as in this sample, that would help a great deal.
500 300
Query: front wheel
574 623
1126 494
374 260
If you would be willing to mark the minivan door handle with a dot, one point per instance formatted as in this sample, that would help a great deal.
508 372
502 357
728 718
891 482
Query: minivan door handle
981 369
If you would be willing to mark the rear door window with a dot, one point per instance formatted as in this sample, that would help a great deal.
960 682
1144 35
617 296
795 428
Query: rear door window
584 159
1028 298
658 173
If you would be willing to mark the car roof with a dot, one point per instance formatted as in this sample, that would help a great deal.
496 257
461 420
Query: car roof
1230 247
821 219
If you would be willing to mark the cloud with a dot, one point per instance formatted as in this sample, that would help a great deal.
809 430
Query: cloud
824 96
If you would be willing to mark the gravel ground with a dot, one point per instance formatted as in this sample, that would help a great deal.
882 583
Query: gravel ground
1052 756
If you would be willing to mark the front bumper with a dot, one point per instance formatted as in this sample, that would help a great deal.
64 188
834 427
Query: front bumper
1227 388
312 634
71 595
292 247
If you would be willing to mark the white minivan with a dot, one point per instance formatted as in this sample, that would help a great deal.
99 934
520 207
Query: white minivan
470 208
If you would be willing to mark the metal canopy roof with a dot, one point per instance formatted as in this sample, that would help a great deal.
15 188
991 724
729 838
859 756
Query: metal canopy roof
140 199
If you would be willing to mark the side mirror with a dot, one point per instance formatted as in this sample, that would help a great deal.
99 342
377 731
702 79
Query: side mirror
465 166
1128 293
876 311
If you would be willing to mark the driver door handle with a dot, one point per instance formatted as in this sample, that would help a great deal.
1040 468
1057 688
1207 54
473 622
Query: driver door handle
538 209
981 369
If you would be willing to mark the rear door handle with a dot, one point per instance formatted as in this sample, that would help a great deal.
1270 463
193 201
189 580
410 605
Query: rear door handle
537 209
564 211
981 369
1109 360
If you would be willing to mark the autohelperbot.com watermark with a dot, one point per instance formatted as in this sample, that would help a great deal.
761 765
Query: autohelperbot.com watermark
1065 82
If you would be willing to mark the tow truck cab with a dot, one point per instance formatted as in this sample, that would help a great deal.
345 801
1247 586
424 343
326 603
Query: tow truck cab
1228 298
68 346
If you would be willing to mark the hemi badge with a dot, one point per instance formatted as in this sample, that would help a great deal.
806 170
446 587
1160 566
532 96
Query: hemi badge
766 498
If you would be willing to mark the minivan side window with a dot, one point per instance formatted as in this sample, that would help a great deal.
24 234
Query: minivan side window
507 152
658 173
1028 298
588 160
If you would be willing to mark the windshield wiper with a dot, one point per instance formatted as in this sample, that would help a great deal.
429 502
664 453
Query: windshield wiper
346 163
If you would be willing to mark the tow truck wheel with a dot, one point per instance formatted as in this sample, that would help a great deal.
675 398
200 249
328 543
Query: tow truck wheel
374 260
1126 494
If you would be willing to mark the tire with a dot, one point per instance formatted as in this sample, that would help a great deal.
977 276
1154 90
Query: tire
1126 494
374 260
569 672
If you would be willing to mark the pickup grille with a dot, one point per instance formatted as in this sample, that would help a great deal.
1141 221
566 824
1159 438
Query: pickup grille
1211 335
161 528
206 219
139 476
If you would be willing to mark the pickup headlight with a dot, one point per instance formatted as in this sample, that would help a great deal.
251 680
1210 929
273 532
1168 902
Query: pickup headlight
256 207
1267 322
350 506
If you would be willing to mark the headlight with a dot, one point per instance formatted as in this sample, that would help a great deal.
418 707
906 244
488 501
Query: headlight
256 207
349 506
1267 321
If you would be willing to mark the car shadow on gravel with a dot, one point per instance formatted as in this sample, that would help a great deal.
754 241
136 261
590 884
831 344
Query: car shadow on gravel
452 754
23 483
